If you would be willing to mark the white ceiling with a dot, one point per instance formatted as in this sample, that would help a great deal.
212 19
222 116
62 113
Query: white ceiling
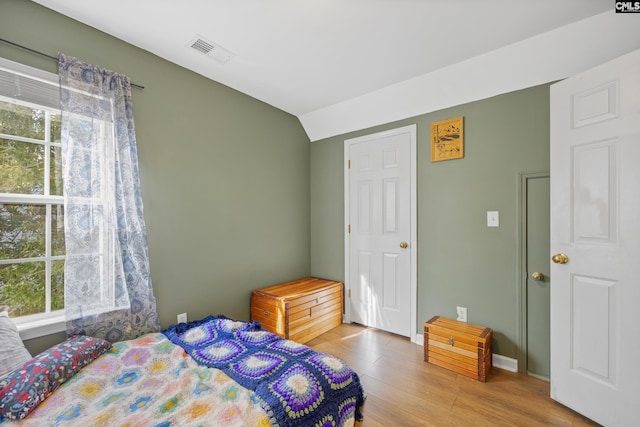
303 56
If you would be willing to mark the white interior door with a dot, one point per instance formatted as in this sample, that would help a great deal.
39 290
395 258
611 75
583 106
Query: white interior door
595 222
380 238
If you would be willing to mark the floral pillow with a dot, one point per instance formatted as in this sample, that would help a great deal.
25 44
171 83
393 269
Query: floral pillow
25 388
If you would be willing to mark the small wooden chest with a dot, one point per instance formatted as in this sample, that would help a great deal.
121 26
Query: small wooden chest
299 310
458 346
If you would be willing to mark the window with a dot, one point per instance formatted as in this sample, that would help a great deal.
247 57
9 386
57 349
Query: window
32 248
32 214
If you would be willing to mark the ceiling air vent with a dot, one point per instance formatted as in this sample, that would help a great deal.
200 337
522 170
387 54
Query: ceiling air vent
210 49
202 45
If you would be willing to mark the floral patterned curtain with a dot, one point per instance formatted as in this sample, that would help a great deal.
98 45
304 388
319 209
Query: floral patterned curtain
108 292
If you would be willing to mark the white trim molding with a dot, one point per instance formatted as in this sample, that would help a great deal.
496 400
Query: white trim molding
41 327
506 363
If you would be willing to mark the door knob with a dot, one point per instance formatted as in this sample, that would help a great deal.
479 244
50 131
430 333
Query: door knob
538 277
560 259
404 245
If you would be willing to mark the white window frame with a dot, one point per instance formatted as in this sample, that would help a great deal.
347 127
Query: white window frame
42 89
51 321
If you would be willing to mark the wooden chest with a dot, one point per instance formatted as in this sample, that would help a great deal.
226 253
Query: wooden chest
458 346
299 310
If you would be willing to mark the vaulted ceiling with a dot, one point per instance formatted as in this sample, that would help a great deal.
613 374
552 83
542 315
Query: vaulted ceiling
302 56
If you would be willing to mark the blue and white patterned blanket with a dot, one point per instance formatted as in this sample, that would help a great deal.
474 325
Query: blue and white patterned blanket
295 385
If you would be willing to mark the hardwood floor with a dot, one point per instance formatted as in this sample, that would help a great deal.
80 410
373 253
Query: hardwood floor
403 390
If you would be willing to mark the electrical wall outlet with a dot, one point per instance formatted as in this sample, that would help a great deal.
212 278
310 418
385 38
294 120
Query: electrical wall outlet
493 219
182 318
462 314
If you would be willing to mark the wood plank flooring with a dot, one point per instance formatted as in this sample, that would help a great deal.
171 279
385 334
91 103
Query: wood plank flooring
403 390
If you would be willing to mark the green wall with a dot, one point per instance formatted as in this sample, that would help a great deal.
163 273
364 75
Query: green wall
225 178
237 198
461 262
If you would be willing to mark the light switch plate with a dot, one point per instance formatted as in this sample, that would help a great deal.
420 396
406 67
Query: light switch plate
493 219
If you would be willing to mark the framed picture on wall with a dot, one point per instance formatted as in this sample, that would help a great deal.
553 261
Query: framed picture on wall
447 139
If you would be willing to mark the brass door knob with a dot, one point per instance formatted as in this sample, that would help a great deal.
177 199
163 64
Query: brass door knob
538 277
560 259
404 245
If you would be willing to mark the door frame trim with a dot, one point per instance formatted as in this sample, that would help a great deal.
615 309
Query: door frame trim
521 266
415 333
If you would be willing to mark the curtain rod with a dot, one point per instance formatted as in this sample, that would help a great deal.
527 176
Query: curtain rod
28 49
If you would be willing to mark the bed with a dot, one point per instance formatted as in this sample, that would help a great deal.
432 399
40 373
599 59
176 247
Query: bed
212 372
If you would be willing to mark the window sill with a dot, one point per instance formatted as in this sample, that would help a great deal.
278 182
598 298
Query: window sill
39 328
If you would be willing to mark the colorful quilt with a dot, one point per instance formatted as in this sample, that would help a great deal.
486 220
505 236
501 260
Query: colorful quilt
148 381
295 385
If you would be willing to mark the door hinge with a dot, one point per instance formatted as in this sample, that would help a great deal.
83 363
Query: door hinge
349 229
349 164
349 293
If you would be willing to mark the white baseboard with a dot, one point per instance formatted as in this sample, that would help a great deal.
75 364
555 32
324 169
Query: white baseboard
419 339
501 362
506 363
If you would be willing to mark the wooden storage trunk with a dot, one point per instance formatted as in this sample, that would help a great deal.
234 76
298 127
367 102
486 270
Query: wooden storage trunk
299 310
458 346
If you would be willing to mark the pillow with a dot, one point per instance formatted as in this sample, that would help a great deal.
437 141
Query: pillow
13 354
25 388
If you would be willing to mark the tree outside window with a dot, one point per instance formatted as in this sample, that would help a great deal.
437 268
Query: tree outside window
31 210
